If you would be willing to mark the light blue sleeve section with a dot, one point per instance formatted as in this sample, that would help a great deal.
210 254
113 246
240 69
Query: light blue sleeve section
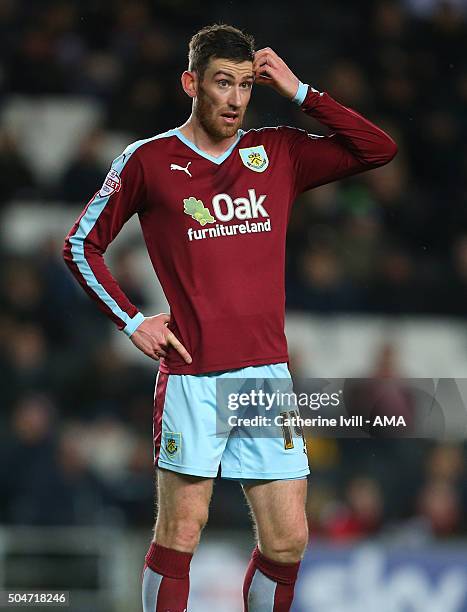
301 93
134 323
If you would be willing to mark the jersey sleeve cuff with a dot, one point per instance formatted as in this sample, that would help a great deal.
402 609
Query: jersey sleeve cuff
301 93
134 323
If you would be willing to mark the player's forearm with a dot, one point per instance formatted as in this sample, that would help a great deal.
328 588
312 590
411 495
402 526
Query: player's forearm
88 267
367 142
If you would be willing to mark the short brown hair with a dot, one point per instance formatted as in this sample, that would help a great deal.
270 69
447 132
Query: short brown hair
221 41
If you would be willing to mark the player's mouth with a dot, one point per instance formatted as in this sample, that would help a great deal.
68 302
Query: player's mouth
230 117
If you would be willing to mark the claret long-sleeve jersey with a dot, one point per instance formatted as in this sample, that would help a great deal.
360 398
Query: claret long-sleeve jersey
215 229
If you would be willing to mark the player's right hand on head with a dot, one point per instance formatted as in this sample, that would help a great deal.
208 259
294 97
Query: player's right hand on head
153 338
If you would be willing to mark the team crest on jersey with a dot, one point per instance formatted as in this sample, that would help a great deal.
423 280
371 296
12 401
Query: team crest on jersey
172 443
255 158
112 184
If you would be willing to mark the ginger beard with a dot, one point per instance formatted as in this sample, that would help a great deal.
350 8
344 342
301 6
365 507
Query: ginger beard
209 115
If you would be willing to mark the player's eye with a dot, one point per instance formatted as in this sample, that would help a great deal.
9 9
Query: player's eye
223 83
247 84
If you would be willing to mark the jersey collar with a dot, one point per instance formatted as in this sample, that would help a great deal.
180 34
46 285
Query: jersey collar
214 160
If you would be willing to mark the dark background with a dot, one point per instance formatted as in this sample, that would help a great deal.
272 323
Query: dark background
75 421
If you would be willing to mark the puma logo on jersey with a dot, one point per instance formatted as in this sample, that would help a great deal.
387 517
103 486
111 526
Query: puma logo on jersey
183 169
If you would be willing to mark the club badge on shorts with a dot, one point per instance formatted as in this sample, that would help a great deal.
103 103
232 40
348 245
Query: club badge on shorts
172 443
255 158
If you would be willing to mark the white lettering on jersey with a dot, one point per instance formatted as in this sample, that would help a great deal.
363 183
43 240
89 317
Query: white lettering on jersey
216 204
256 205
242 208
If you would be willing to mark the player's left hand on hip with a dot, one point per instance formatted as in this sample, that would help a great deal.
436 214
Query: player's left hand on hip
270 69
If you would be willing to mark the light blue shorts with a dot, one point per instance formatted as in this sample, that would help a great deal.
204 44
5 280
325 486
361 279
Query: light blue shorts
191 438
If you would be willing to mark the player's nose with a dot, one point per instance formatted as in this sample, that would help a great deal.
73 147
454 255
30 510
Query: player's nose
235 98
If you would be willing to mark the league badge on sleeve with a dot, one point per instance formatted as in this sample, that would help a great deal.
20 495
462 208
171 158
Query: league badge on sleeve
255 158
112 184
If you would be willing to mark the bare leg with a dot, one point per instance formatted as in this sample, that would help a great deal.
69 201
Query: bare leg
278 509
182 512
182 509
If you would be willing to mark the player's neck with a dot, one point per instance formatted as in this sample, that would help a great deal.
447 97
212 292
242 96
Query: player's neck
203 141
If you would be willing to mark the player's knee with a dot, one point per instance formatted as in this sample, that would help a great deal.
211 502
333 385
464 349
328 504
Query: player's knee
181 532
290 548
185 534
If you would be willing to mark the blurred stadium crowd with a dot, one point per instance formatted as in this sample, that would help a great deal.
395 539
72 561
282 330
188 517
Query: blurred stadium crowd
75 443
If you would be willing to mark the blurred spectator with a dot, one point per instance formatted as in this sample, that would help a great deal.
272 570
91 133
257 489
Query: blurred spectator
79 497
426 8
85 174
361 234
45 477
382 397
133 19
108 446
396 288
347 83
439 503
321 285
29 359
99 76
127 273
16 177
22 291
387 362
134 491
361 515
63 301
27 460
140 109
454 296
447 462
34 67
106 384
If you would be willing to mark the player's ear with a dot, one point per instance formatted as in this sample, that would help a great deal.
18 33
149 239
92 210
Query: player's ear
189 80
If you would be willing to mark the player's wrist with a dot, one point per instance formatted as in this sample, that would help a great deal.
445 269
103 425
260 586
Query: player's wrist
133 324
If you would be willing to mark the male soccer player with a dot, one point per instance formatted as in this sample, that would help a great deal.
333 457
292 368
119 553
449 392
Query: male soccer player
214 202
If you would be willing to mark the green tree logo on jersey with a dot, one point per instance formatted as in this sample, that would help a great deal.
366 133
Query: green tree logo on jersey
196 209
